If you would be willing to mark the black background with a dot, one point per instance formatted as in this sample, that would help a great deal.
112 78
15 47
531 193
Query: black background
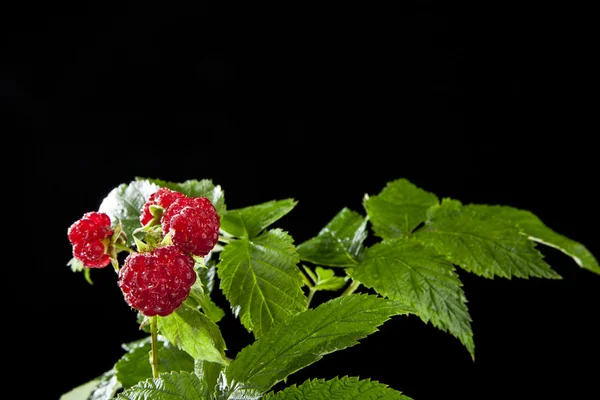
320 104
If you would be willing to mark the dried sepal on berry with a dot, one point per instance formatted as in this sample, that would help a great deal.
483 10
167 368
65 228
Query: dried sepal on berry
157 202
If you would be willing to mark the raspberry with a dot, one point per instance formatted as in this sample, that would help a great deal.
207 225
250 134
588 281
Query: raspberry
158 281
194 224
163 197
88 236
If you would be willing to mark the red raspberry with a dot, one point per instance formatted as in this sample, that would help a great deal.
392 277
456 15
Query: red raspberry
163 197
194 224
88 236
158 281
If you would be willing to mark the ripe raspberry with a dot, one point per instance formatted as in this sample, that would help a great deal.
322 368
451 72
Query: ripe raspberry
163 197
157 282
194 224
89 237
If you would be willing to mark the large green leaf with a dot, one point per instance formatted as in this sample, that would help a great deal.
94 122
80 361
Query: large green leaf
260 280
482 245
339 243
196 188
195 333
539 232
124 203
345 388
250 221
398 209
305 338
134 366
417 275
168 386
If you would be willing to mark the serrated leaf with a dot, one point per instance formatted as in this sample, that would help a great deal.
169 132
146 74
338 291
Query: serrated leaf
406 270
212 374
481 245
326 280
195 333
305 338
345 388
539 232
248 222
339 243
103 387
398 209
134 366
124 203
168 386
260 279
196 188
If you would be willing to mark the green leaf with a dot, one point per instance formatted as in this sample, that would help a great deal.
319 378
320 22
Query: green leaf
326 280
195 188
339 243
398 209
248 222
195 333
349 388
81 392
537 231
260 280
199 298
482 245
168 386
406 270
124 203
212 374
134 366
305 338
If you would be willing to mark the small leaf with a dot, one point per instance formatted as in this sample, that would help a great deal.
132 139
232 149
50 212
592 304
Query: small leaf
201 299
305 338
195 333
195 188
349 388
124 203
398 209
81 392
260 280
408 271
326 280
248 222
168 386
339 243
134 366
481 245
537 231
212 374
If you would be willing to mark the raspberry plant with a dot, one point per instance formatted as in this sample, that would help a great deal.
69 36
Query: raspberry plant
172 244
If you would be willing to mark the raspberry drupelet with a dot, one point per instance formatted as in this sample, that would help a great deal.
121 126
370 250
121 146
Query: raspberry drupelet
158 281
90 237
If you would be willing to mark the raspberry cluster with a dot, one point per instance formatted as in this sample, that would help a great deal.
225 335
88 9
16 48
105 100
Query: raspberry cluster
158 281
90 239
158 278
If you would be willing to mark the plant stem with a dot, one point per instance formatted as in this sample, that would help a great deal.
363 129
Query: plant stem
311 293
351 288
153 330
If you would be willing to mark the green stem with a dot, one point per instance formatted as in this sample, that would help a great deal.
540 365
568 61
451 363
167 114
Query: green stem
154 331
351 288
311 293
